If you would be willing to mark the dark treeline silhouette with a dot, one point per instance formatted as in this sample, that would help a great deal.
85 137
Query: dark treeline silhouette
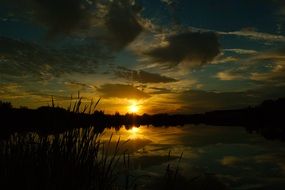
266 118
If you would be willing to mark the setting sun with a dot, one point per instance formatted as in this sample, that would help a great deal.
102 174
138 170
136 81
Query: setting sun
134 108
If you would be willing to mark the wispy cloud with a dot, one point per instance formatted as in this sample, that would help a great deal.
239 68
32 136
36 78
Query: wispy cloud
241 51
142 76
79 85
121 91
276 75
251 33
270 65
225 59
228 75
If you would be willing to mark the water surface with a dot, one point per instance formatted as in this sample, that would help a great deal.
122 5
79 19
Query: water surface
238 159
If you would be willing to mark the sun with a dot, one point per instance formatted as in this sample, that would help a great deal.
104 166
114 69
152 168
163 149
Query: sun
134 108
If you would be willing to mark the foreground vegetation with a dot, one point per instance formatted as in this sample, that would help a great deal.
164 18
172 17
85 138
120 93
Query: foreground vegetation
73 160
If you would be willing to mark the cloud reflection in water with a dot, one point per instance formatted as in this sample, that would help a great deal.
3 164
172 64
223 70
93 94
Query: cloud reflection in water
239 159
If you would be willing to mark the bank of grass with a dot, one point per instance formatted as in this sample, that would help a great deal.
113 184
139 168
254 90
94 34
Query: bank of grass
73 160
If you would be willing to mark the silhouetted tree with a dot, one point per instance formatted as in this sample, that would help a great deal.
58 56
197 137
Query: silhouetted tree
5 105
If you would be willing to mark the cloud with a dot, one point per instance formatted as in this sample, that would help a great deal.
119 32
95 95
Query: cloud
158 90
168 2
268 91
275 55
142 76
59 17
79 85
33 97
21 58
241 51
122 21
276 158
266 67
121 91
224 59
228 75
190 49
12 88
200 101
114 24
251 33
62 16
235 55
281 6
276 75
230 160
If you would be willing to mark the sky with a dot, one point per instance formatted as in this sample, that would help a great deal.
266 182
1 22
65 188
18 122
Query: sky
144 56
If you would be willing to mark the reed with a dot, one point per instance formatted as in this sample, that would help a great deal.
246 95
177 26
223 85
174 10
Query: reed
73 160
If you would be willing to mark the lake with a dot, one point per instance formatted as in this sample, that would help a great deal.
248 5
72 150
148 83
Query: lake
230 155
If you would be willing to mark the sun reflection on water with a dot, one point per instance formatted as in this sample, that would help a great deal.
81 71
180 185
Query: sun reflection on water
134 133
124 133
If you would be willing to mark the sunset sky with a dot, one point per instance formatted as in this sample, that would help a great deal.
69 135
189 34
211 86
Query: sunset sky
144 56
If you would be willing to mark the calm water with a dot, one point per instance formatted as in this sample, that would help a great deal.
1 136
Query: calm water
238 159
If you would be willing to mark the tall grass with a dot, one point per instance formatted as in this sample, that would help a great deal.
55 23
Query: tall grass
73 160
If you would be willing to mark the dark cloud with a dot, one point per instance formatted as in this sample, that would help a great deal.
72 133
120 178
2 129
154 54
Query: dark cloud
190 47
281 6
142 76
198 101
9 45
62 16
201 101
59 16
121 91
122 22
115 23
21 58
267 91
